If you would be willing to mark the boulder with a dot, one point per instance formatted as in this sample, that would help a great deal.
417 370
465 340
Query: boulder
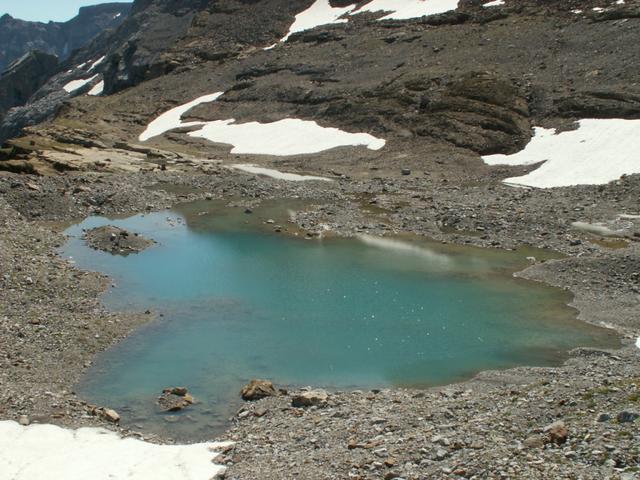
557 432
627 417
312 398
174 399
257 389
110 415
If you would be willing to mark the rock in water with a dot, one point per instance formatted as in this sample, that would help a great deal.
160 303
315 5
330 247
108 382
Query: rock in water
116 240
174 399
257 389
313 398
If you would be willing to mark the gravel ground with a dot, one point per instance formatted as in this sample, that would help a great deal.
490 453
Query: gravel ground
492 426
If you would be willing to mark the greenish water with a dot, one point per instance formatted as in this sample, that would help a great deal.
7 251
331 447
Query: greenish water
239 301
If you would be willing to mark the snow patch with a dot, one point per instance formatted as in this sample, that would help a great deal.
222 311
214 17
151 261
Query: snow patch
406 9
494 3
284 137
173 118
278 175
74 85
97 89
638 342
320 13
47 451
597 152
96 63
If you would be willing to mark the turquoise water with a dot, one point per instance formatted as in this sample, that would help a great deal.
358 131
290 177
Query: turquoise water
238 301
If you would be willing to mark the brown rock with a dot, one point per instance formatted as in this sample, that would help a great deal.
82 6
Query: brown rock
180 391
171 402
557 432
313 398
110 415
535 441
257 389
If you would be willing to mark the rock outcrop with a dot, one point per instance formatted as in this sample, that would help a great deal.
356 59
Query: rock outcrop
18 37
24 77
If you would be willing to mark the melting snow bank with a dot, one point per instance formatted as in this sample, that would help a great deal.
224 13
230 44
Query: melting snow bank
597 152
320 13
406 9
284 137
405 247
74 85
291 177
46 451
173 118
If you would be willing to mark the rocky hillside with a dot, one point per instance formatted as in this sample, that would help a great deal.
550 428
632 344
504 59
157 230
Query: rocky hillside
431 83
18 37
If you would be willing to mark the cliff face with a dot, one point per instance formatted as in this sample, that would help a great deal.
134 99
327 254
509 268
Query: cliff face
18 37
24 77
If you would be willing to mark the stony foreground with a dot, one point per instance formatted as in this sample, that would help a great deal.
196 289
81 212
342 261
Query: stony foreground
499 425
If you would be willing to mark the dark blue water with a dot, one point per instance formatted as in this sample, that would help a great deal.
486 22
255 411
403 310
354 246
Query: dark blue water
239 302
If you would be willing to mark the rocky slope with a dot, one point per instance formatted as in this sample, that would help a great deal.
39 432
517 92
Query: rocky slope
18 37
33 52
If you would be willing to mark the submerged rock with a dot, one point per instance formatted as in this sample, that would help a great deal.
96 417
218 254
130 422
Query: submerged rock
174 399
257 389
116 240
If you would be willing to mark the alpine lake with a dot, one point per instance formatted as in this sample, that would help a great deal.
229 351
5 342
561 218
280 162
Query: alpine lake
234 300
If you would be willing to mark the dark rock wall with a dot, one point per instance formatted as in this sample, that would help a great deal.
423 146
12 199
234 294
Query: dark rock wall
18 37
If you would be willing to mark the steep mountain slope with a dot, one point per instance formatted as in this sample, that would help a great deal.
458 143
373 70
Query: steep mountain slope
18 37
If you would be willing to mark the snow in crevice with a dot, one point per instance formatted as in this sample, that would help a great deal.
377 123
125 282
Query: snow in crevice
39 452
494 3
289 136
96 63
97 89
74 85
597 152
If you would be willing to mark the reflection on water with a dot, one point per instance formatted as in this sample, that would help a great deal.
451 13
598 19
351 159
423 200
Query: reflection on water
239 301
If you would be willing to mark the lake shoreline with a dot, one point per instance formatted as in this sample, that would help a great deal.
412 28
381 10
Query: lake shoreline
52 338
